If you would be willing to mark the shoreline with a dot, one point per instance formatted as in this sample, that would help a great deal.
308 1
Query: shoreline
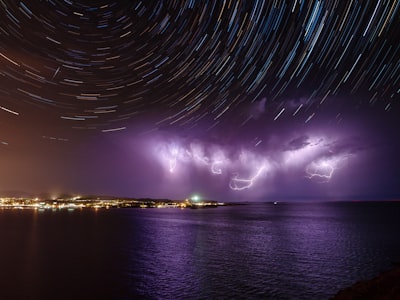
384 286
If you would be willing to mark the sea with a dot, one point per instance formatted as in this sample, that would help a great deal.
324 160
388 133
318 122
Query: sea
289 250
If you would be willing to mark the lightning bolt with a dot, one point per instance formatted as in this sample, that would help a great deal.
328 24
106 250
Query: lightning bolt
239 184
203 159
214 164
215 167
322 170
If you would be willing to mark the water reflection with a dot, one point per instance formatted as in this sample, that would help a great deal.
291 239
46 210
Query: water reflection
301 251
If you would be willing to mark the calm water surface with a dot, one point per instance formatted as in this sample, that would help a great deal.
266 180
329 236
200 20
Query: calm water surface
257 251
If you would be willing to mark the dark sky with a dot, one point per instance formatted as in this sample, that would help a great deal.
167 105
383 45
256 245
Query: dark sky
233 100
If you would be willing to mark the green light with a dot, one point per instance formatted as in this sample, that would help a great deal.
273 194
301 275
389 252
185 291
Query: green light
196 198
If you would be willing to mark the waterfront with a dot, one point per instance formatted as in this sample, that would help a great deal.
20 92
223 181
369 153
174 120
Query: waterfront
284 251
77 202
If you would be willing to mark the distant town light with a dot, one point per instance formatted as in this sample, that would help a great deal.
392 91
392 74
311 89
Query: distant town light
196 198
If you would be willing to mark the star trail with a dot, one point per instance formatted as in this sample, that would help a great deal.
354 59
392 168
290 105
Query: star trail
240 71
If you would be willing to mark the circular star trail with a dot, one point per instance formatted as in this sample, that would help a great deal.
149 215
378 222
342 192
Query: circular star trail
98 64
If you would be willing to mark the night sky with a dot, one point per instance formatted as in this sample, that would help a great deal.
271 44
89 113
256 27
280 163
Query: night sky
232 100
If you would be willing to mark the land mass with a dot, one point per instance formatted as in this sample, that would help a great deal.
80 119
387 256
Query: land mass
383 287
72 202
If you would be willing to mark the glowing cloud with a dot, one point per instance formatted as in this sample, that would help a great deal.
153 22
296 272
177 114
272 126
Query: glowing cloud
318 157
172 160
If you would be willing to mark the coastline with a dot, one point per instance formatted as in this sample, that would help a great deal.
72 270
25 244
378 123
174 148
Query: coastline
384 286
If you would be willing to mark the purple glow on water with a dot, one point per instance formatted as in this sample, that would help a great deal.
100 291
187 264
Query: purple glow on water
288 250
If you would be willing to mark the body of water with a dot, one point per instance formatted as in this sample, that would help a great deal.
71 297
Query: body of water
255 251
